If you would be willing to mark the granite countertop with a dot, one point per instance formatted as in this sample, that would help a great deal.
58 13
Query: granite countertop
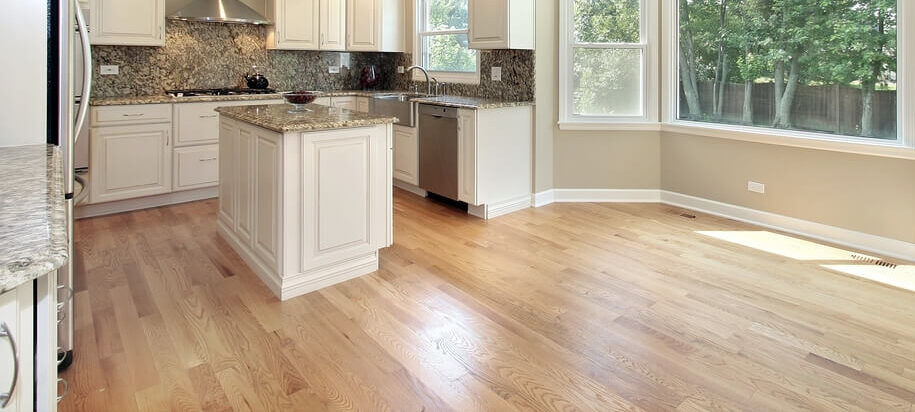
33 214
465 102
277 117
160 99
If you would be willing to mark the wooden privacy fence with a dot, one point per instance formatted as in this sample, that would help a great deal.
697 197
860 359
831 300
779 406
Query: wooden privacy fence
830 108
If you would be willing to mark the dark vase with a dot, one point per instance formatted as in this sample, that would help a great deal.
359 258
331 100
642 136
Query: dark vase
369 79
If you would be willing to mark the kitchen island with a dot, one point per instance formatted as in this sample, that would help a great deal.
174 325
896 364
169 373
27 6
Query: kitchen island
305 198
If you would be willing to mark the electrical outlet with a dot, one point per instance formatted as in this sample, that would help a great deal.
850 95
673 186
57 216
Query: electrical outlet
400 70
333 69
756 187
108 69
497 74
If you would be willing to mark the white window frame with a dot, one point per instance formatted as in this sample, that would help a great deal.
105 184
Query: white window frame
651 63
419 51
900 148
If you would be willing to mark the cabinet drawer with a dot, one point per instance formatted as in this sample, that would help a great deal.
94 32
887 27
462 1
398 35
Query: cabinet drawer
196 167
196 123
131 114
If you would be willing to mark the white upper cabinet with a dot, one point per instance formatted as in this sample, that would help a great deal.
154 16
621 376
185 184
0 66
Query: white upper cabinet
502 24
127 22
375 25
307 24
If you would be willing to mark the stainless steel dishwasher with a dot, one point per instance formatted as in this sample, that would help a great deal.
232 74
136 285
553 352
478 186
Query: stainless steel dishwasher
438 150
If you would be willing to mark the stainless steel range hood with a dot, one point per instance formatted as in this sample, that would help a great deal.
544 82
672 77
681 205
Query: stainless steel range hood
219 11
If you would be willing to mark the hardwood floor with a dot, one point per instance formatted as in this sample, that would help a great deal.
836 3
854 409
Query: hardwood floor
566 307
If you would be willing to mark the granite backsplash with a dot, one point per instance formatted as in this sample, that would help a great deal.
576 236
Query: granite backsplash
207 55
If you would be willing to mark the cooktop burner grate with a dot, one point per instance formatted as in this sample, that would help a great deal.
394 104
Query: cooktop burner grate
225 91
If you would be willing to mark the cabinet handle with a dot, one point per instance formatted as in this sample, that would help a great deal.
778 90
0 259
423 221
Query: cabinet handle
66 388
60 305
61 316
209 159
168 138
133 114
6 396
208 116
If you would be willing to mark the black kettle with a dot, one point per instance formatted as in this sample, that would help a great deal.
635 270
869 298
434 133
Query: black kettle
255 79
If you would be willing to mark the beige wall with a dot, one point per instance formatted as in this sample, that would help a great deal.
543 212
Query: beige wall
545 113
607 160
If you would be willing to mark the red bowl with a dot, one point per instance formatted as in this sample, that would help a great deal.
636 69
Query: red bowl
300 97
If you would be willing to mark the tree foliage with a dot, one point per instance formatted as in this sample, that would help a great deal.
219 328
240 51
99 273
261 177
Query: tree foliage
448 52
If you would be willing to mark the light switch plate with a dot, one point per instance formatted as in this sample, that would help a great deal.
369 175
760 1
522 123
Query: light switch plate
106 69
497 74
756 187
400 69
333 69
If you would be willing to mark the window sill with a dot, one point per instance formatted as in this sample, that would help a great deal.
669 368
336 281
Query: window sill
793 139
610 126
448 77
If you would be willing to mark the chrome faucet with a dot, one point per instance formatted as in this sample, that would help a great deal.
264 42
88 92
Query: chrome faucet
428 82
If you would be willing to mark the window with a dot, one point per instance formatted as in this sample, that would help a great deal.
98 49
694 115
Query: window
827 66
605 63
442 40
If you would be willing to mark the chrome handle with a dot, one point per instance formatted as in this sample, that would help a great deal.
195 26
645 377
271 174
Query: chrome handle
82 194
66 388
133 114
168 138
209 159
6 396
208 116
63 302
61 316
87 70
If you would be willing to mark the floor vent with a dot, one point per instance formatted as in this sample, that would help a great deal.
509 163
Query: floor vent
688 216
878 262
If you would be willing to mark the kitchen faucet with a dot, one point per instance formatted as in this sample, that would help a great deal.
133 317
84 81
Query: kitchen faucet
428 82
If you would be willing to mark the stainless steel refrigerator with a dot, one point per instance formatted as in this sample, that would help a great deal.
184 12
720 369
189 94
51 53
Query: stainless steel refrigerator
69 88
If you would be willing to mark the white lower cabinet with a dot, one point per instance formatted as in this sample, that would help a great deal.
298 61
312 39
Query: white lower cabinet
406 154
196 166
344 102
362 104
17 373
130 161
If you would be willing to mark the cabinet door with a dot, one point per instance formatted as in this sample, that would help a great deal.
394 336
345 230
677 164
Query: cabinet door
488 24
196 167
363 18
127 22
16 313
297 24
362 104
228 143
347 102
130 161
467 156
333 24
406 155
196 123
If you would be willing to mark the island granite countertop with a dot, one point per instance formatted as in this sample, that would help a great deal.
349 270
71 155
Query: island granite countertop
33 214
277 117
467 102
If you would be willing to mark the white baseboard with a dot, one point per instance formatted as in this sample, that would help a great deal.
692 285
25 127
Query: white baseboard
840 236
101 209
416 190
494 210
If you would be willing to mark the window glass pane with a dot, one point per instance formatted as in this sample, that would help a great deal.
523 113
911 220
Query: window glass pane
823 66
449 53
607 82
446 15
607 21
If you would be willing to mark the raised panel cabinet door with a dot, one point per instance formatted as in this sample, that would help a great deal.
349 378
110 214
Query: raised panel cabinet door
196 167
488 24
363 18
228 172
266 190
333 24
344 194
127 22
467 157
297 24
17 351
130 161
244 185
406 155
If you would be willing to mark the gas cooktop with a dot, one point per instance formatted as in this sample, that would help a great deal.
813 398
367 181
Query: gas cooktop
226 91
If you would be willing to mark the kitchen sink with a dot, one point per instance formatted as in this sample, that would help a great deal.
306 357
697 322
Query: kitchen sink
399 105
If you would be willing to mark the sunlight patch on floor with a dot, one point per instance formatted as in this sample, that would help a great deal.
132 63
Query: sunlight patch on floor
903 276
782 245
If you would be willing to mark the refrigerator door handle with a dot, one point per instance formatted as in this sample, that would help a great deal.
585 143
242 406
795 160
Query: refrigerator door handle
87 70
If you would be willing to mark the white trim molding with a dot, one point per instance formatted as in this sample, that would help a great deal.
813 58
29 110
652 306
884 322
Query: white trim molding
128 205
819 231
494 210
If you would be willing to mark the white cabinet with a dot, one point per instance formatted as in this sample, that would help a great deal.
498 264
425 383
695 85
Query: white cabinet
324 101
17 347
501 24
129 161
363 104
198 123
307 24
228 182
406 154
127 22
196 166
344 102
375 25
467 156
